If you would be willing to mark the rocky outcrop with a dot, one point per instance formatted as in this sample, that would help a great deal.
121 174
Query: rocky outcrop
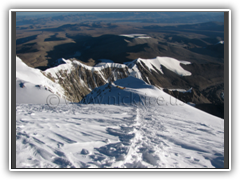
209 100
78 80
193 96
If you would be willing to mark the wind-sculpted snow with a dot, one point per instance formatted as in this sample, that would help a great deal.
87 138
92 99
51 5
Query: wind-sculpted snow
109 136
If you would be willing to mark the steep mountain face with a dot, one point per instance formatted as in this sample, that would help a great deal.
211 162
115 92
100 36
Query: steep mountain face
77 80
166 73
153 71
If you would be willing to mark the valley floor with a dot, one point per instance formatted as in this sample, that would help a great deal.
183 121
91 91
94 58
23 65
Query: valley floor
109 136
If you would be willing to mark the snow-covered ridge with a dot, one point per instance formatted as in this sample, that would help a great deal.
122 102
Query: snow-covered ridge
69 66
101 65
69 76
154 64
66 66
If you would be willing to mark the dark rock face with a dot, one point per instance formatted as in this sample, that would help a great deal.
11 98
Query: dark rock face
74 90
193 96
81 80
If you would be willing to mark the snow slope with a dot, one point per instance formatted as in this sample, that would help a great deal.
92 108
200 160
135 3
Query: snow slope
29 93
156 64
28 74
33 87
168 134
135 93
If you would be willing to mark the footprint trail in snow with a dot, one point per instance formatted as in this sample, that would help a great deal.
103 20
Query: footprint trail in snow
108 136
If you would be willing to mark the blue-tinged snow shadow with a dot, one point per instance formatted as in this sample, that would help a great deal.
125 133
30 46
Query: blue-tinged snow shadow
217 161
128 96
132 82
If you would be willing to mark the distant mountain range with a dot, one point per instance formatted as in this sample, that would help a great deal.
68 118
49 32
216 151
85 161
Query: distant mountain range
144 17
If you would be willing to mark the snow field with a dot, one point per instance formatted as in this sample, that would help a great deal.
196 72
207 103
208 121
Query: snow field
108 136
